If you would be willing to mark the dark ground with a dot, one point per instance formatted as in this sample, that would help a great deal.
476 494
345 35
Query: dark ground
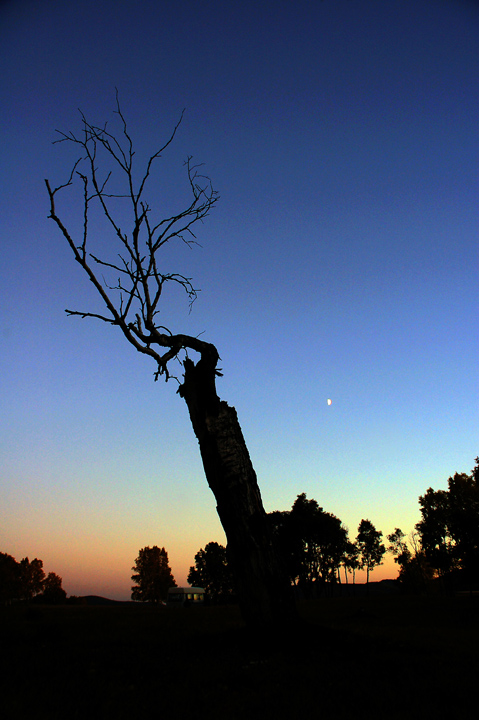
385 657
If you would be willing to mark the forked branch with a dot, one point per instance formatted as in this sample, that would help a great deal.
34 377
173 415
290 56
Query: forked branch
105 170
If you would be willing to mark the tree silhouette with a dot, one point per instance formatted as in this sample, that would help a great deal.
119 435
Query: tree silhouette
53 592
9 579
32 578
415 571
128 275
398 547
152 575
371 550
350 560
449 528
26 581
288 542
212 572
311 541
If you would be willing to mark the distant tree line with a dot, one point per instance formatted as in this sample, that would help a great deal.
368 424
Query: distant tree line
26 581
316 549
313 544
444 545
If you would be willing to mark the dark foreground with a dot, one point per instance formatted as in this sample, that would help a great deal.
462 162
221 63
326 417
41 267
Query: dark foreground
379 657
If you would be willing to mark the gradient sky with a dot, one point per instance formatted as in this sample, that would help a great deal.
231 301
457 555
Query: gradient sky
341 262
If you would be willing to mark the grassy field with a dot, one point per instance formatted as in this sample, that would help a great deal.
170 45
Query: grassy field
372 657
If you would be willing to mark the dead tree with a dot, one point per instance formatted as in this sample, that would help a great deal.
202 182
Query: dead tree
107 176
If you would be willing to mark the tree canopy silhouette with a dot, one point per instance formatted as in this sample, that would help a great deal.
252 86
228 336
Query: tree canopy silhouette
212 572
152 575
128 273
26 581
415 573
53 593
371 549
449 527
311 541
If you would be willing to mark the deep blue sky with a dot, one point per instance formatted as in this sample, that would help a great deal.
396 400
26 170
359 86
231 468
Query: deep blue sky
341 262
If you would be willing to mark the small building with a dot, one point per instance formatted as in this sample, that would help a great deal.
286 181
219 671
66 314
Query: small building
184 596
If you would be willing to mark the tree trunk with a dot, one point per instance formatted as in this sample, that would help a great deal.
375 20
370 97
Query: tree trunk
264 590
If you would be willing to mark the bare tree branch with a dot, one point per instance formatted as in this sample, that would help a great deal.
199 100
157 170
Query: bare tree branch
132 293
133 300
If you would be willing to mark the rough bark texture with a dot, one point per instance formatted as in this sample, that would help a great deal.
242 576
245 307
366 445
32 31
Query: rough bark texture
264 590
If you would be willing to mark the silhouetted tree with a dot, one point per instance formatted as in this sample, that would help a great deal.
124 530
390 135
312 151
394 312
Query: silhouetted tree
433 530
415 572
132 296
288 542
371 550
32 578
26 580
152 576
350 560
10 586
398 547
449 528
311 541
323 540
212 571
53 593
